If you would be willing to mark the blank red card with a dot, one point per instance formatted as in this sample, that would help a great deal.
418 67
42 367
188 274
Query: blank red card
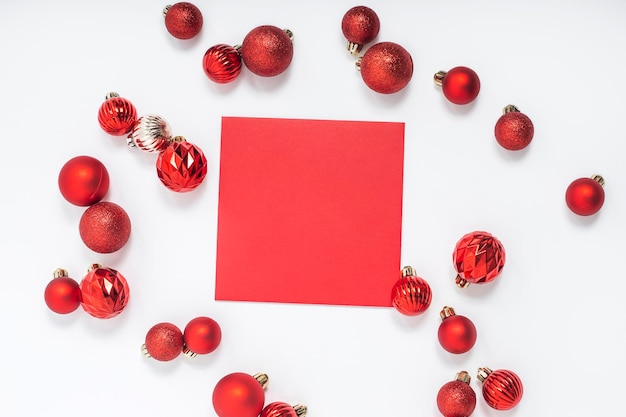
310 211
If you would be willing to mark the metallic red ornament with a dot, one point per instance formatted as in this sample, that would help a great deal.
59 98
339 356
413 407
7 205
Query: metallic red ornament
240 395
514 130
151 133
502 389
281 409
183 20
460 85
411 295
104 291
360 25
267 50
104 227
62 294
478 258
457 398
386 67
202 335
222 63
117 115
456 334
83 180
164 342
585 196
182 166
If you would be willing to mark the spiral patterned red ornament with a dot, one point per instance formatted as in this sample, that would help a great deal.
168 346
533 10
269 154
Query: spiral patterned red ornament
457 398
478 258
222 63
460 85
281 409
83 180
105 292
151 133
502 389
386 67
267 50
457 334
62 294
514 130
183 20
411 295
585 196
202 335
240 395
182 166
360 25
164 342
104 227
117 115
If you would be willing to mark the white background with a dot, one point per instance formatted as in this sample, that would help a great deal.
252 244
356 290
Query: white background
554 316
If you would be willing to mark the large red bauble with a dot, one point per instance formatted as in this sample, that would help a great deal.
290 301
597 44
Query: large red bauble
281 409
202 335
62 294
360 25
478 258
456 334
117 115
164 342
267 50
456 398
514 130
104 291
238 395
460 85
183 20
585 196
502 389
182 166
83 180
411 295
222 63
386 67
104 227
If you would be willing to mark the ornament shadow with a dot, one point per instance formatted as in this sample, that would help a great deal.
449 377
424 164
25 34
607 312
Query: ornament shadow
510 155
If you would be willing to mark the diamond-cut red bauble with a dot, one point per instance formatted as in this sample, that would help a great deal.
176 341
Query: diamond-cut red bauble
238 395
360 25
222 63
585 196
281 409
502 389
202 335
386 67
117 115
164 342
104 292
62 294
456 334
514 130
182 166
411 295
267 50
183 20
83 180
478 258
104 227
457 398
460 85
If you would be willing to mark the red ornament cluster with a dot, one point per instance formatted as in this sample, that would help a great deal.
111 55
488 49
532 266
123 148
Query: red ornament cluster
165 341
183 20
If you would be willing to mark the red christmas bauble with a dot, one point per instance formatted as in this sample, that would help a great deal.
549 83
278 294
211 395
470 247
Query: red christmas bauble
386 67
202 335
222 63
83 180
117 115
267 50
360 25
104 227
411 295
585 196
104 291
183 20
456 334
460 85
182 166
281 409
514 130
457 398
62 294
478 258
238 395
164 342
502 389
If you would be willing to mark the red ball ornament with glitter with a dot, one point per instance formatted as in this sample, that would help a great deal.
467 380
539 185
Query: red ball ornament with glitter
386 67
502 389
164 342
514 130
360 25
460 85
183 20
281 409
104 292
222 63
182 166
457 398
456 334
62 294
83 180
240 395
117 115
267 50
104 227
478 258
202 335
585 196
411 295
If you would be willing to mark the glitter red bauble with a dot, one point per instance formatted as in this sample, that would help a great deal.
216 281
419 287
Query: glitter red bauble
62 294
182 166
411 295
164 342
183 20
456 399
386 67
585 196
281 409
104 227
514 130
83 180
456 334
202 335
502 389
238 395
478 258
460 85
117 115
360 25
104 291
222 63
267 50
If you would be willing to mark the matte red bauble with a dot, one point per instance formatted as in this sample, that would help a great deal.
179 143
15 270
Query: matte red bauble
117 115
104 227
360 25
83 180
267 50
182 166
104 291
411 295
585 196
514 130
239 395
456 334
202 335
62 294
457 398
460 85
183 20
281 409
222 63
386 67
164 342
502 389
478 258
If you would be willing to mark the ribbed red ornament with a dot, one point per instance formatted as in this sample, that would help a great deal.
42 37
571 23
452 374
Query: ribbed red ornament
104 227
183 20
83 180
202 335
386 67
117 115
281 409
514 130
411 295
478 258
456 334
460 85
222 63
104 291
502 389
164 342
457 398
62 294
267 50
182 166
239 395
360 25
585 196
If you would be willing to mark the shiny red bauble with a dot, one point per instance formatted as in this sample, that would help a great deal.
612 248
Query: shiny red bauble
182 166
281 409
514 130
222 63
502 389
117 115
104 227
478 258
202 335
411 295
164 342
62 294
456 334
457 398
585 196
386 67
239 395
183 20
267 50
360 25
83 180
105 292
460 85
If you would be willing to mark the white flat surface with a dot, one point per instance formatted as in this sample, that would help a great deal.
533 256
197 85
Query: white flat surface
555 315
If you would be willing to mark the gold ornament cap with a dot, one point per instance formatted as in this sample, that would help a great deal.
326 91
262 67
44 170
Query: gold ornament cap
463 376
408 271
438 77
483 373
510 109
446 312
262 379
300 410
461 282
60 273
598 178
93 266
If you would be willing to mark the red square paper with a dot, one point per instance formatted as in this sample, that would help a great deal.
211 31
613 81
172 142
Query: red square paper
310 211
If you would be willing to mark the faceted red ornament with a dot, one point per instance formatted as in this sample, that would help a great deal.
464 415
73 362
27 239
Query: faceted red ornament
514 130
183 20
456 334
502 389
62 294
104 292
267 50
239 395
460 85
585 196
222 63
281 409
457 398
360 25
164 342
202 335
117 115
104 227
478 258
386 67
411 295
83 180
182 166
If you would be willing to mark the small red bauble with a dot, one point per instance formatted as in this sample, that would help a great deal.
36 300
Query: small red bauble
456 334
62 294
360 25
478 258
164 342
281 409
411 295
104 227
267 50
460 85
457 398
386 67
202 335
104 292
183 20
502 389
514 130
117 115
83 180
182 166
239 395
585 196
222 63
